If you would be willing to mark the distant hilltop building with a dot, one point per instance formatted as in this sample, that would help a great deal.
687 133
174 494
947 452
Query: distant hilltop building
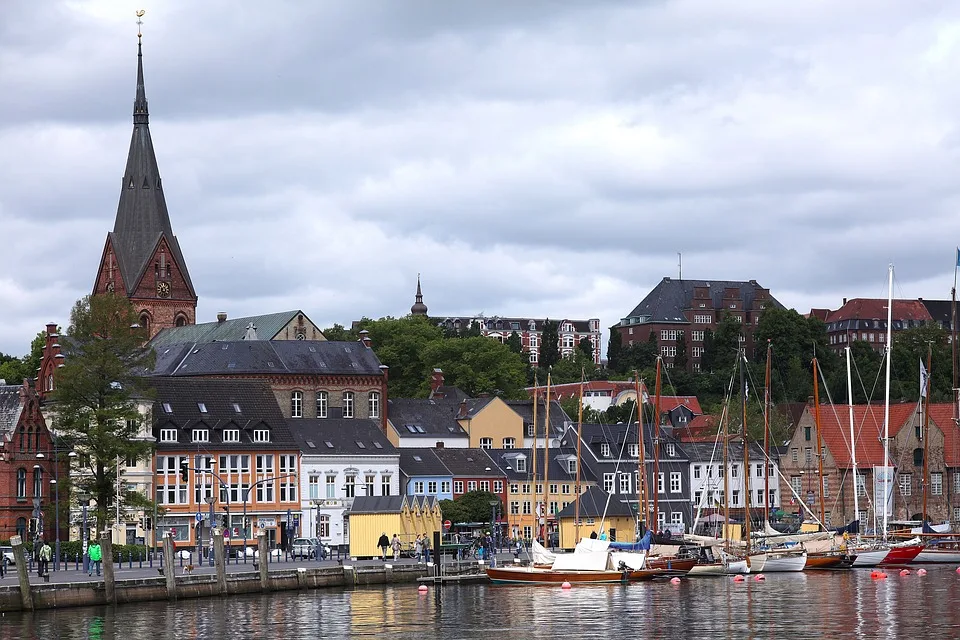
678 311
865 319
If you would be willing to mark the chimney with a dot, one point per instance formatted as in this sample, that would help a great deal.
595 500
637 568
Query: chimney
365 338
439 444
462 412
221 317
809 401
385 370
436 380
844 301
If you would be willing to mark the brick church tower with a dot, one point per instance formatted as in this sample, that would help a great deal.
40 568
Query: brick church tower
141 257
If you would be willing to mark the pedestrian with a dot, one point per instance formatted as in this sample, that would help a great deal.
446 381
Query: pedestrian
517 549
384 544
593 535
397 545
426 548
43 562
96 556
418 547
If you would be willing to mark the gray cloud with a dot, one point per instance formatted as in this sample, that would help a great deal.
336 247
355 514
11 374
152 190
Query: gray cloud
542 158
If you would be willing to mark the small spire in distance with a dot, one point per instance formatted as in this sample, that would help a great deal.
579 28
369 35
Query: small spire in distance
141 114
418 308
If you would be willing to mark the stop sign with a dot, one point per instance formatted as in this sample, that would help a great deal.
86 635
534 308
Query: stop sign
447 524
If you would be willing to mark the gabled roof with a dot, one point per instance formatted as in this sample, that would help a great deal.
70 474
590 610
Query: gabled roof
941 415
422 462
558 417
618 435
474 463
558 470
230 330
248 404
876 309
707 451
272 357
941 311
449 392
340 436
377 504
868 431
702 427
11 406
595 503
668 300
415 417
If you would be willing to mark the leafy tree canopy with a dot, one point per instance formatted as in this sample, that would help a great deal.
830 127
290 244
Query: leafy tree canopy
15 370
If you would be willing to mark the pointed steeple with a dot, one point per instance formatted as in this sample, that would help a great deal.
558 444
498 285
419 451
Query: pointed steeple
142 219
418 308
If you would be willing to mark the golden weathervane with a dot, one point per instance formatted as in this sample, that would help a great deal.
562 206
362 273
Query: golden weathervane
139 22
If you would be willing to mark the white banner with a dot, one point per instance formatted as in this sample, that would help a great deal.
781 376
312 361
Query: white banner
883 478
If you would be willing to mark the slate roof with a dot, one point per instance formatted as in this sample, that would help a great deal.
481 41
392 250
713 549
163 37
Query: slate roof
10 408
377 504
702 451
414 417
558 470
941 311
343 434
615 435
594 503
142 217
230 330
421 462
272 357
668 300
449 392
558 417
235 404
469 462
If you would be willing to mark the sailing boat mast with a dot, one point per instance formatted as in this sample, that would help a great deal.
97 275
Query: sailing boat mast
576 515
766 437
533 457
726 482
656 446
953 341
746 453
546 461
887 479
926 429
816 419
641 455
853 447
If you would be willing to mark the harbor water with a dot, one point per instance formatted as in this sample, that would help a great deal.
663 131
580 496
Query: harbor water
847 604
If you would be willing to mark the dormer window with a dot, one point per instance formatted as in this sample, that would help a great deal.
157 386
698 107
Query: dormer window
521 464
231 435
167 408
261 435
168 435
572 466
671 449
604 450
202 407
633 450
200 435
236 408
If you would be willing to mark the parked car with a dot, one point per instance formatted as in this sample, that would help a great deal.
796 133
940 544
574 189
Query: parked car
6 556
303 548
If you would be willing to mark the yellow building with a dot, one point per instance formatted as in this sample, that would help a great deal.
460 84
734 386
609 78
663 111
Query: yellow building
600 514
406 516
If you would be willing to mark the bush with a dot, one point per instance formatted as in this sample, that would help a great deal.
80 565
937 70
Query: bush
69 549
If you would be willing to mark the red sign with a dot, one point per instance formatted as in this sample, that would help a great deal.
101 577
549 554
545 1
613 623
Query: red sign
447 524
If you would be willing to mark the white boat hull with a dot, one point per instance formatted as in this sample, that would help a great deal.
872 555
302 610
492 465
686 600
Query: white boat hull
870 557
785 563
732 567
944 556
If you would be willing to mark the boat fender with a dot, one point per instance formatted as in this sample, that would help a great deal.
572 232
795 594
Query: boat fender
738 578
674 580
921 572
759 577
566 585
904 572
422 588
958 569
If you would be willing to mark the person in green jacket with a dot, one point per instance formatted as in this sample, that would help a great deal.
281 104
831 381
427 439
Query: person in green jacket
46 554
96 556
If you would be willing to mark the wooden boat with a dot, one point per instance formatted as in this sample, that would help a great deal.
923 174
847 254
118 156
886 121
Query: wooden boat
537 575
829 560
672 565
783 561
940 551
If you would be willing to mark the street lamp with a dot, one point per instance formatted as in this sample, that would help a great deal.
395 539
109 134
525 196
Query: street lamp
210 500
84 498
56 492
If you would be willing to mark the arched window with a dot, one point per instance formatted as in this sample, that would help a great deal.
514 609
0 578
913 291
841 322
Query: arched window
322 404
23 438
37 482
374 404
918 457
181 320
21 483
145 322
50 382
22 527
348 404
296 404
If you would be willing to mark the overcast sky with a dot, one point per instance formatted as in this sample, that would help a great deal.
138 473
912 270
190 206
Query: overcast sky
527 158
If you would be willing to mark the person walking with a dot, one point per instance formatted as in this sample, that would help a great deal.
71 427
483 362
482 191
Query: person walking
418 547
426 548
96 556
383 543
396 545
43 560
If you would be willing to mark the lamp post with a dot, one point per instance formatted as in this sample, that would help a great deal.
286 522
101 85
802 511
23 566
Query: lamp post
246 495
210 500
84 498
56 493
493 517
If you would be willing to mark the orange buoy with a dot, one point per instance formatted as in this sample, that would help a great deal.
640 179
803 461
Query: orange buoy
921 572
674 580
423 588
759 577
566 585
738 578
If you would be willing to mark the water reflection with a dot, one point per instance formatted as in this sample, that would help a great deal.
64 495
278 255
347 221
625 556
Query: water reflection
844 604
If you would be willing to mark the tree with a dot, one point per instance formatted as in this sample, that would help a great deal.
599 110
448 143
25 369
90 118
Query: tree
399 343
95 409
514 343
637 357
614 348
453 511
15 370
475 365
549 344
724 345
476 505
338 333
586 346
571 368
909 348
680 360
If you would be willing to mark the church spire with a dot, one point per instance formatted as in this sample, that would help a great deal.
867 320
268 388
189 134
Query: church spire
141 115
418 308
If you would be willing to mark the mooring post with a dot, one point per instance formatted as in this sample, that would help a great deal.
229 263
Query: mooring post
109 581
219 558
169 567
264 560
23 572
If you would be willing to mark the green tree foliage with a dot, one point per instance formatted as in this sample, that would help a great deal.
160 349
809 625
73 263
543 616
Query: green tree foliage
15 370
399 343
453 511
338 333
909 348
614 348
514 343
680 360
549 344
473 506
586 347
638 356
475 365
724 345
95 411
570 368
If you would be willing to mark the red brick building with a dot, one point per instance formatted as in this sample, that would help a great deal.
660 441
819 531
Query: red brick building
678 311
141 257
865 319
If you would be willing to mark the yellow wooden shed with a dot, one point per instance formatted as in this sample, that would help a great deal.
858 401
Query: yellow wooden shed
372 516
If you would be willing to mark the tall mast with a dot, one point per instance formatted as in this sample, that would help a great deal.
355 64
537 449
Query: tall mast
953 341
656 446
546 460
576 516
726 482
887 479
746 451
641 454
533 457
766 438
853 445
816 419
926 428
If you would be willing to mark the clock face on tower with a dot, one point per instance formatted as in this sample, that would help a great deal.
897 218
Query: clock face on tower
163 289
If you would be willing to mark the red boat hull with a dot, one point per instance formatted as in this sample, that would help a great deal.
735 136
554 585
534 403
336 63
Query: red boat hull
901 555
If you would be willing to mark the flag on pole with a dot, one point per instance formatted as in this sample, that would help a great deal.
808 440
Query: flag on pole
923 379
958 256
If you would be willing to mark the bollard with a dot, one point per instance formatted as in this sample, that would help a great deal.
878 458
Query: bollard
109 582
20 558
349 576
169 567
264 561
218 557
